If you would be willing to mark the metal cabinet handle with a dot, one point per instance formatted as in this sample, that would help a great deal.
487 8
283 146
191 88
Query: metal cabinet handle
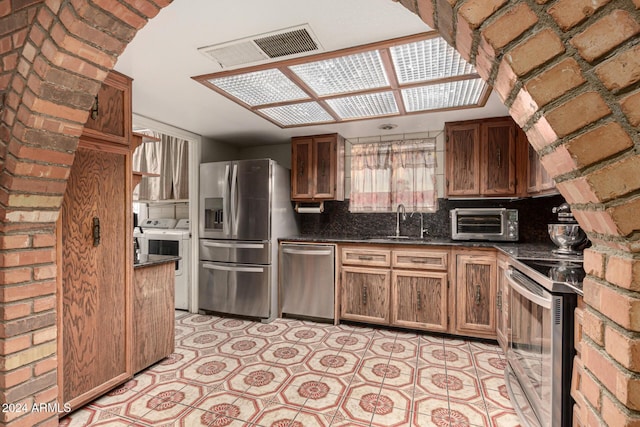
477 294
499 300
365 258
418 260
499 158
364 295
419 296
96 231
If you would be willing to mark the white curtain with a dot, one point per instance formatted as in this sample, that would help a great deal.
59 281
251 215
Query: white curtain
384 175
169 158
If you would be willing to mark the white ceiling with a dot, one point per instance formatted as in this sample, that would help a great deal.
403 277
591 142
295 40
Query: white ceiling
163 57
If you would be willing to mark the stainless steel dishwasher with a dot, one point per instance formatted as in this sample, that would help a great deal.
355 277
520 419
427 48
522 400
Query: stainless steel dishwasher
307 280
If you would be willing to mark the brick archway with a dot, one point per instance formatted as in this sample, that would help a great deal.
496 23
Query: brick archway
568 70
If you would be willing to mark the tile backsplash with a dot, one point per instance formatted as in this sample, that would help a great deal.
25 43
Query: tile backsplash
336 220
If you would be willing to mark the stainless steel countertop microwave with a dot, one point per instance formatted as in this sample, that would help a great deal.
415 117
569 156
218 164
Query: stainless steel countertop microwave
489 224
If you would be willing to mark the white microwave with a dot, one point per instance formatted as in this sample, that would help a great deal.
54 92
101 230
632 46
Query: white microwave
489 224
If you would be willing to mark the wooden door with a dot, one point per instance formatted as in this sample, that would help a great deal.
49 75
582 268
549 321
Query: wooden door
365 294
95 273
302 168
476 294
324 166
419 300
498 158
463 159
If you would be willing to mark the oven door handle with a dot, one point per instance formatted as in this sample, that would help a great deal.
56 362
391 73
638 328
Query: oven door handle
522 290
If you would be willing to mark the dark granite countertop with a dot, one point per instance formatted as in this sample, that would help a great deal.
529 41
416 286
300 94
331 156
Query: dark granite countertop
147 260
515 249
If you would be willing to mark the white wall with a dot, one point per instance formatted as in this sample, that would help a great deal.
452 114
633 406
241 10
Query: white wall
215 151
281 153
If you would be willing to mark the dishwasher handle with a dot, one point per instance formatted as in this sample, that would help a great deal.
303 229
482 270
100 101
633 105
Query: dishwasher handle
307 252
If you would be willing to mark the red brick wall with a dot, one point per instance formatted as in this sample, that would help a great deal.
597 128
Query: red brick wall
568 70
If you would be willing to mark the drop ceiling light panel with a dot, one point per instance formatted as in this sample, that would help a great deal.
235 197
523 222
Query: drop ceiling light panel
428 60
445 95
304 113
343 74
260 87
360 106
421 71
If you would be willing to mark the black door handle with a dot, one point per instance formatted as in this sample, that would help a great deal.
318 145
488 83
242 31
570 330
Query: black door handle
96 231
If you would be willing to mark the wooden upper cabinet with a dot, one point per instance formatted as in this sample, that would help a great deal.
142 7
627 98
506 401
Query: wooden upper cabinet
482 158
538 180
463 159
317 168
110 116
498 158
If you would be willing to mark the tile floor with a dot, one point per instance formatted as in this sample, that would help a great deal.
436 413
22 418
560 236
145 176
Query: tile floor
230 372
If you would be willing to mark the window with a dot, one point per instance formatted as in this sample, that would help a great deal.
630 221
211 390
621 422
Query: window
384 175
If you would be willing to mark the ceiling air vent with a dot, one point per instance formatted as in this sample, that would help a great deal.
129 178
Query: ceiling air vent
287 43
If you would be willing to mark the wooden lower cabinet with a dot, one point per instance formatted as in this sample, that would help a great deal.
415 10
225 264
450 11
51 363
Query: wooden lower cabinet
400 287
419 300
94 259
153 314
365 294
476 294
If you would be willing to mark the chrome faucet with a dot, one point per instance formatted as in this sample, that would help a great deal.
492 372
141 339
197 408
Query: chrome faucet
422 229
404 218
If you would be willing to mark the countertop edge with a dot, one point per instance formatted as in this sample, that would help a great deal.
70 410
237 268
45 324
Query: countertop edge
148 260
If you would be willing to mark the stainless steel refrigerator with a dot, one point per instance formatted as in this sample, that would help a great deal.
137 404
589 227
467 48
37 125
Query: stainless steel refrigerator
245 207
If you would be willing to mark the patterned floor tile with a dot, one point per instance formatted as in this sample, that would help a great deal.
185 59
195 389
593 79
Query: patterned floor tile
293 373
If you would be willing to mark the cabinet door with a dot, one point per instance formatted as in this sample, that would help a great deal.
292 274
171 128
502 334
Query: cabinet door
365 294
419 300
302 168
95 279
324 153
463 159
502 305
476 295
110 116
498 158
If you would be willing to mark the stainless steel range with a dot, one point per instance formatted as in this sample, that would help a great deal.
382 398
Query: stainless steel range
540 351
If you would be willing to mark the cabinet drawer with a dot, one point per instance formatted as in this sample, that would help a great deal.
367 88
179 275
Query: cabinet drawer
369 257
427 260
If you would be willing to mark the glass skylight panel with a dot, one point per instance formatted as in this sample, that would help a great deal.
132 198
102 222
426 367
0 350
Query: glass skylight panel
428 60
260 87
344 74
370 105
445 95
298 114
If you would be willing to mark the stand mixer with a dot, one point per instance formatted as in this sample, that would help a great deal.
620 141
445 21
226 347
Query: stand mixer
566 233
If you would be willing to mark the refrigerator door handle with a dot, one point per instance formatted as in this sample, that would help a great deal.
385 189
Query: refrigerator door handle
226 218
233 268
234 201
